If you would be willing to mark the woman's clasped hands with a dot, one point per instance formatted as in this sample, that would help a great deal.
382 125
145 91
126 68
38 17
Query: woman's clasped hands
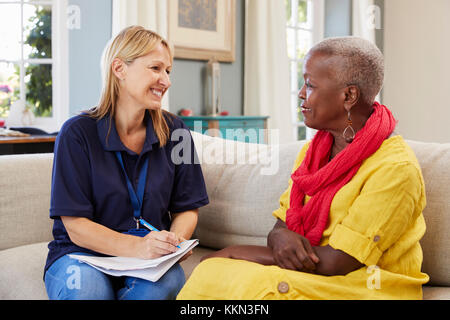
291 250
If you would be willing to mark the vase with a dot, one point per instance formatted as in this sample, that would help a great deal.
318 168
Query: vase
19 115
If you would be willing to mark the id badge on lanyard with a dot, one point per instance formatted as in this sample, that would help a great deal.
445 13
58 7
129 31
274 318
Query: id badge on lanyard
136 197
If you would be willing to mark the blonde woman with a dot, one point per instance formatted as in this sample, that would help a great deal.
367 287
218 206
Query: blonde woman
113 166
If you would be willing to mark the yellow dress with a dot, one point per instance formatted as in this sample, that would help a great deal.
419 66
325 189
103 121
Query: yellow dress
376 218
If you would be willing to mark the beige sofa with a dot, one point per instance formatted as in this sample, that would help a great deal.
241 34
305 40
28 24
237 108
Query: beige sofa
244 182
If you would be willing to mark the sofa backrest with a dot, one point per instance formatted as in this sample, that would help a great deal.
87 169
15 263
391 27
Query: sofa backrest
242 199
434 159
25 199
244 184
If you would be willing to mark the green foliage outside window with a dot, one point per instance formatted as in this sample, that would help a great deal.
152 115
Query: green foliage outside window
297 21
301 10
39 76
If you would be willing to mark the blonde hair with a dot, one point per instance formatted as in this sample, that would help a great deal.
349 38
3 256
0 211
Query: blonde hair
131 43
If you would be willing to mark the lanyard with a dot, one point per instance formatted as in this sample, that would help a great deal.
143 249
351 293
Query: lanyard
136 199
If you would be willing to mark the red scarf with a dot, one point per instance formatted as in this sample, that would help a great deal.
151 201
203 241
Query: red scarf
321 179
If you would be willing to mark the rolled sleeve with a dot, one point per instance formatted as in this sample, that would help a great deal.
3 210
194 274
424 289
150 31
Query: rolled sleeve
356 244
386 207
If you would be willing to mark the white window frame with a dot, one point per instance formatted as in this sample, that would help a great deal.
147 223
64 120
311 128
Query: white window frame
59 62
317 14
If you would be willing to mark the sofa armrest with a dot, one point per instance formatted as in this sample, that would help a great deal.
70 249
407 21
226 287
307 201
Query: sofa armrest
25 182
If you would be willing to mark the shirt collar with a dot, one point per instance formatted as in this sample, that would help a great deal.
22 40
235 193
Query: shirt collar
113 142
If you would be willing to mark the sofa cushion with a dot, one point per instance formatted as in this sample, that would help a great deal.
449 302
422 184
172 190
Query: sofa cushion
434 159
25 199
22 272
190 263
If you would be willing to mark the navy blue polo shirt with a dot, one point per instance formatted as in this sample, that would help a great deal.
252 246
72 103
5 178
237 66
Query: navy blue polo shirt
88 181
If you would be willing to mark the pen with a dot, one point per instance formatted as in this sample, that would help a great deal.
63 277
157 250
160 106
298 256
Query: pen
149 226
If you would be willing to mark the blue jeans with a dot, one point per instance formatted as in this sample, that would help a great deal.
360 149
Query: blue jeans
69 279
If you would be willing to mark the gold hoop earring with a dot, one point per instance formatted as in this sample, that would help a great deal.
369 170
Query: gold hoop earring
349 132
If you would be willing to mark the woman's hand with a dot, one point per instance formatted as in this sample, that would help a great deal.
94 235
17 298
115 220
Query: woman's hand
291 250
188 254
157 244
183 226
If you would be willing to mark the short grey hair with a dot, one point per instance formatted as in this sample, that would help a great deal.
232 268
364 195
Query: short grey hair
363 63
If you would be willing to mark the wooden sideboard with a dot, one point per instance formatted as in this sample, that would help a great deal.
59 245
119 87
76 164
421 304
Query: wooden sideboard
240 128
31 144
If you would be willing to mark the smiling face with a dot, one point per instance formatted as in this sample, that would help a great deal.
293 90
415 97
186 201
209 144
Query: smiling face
144 81
324 97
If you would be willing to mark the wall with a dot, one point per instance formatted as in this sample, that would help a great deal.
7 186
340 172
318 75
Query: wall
416 49
188 78
85 49
338 18
379 33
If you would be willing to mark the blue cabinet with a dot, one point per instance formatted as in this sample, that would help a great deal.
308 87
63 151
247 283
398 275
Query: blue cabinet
241 128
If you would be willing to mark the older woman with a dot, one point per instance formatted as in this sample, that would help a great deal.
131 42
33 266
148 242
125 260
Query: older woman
349 224
113 167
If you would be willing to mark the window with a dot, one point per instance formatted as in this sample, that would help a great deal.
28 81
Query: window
33 54
304 28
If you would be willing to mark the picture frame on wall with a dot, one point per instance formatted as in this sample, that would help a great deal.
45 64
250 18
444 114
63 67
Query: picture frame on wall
202 29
